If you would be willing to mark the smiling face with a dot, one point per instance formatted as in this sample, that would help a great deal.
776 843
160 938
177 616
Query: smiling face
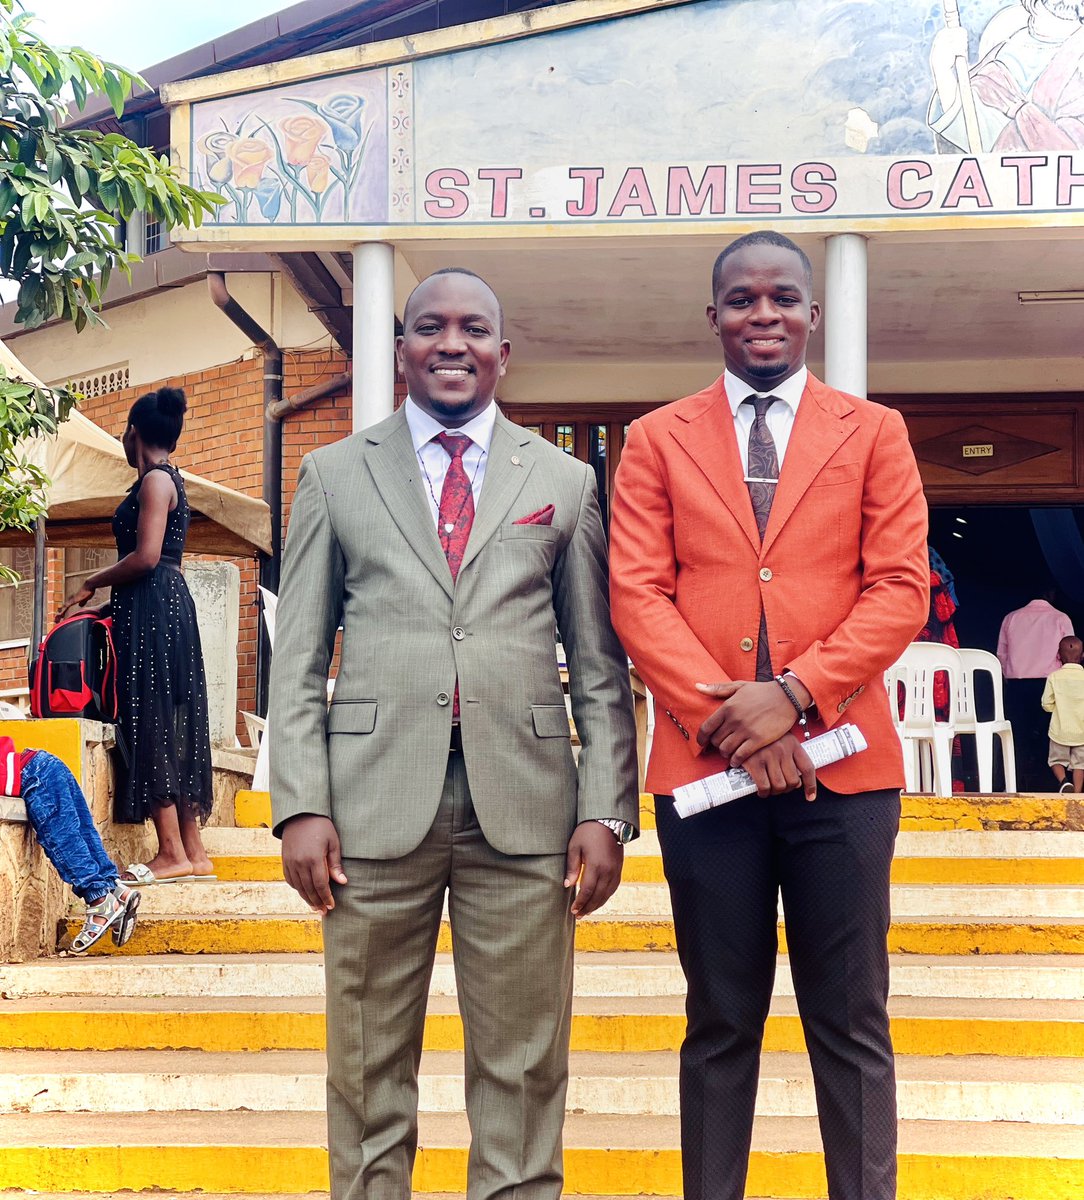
451 353
763 314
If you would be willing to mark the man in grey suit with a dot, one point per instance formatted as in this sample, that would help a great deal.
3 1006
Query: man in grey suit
452 546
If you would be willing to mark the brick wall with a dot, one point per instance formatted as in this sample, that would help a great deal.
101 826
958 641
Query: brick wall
223 440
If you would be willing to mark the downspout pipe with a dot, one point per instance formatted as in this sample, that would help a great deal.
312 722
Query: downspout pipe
270 564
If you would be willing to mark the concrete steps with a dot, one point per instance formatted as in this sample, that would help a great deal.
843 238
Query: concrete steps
136 1071
233 933
256 1152
1047 1091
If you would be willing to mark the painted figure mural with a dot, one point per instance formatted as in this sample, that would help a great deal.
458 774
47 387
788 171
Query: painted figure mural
1025 89
846 108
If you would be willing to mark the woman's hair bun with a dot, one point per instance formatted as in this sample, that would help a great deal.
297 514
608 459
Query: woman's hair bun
171 402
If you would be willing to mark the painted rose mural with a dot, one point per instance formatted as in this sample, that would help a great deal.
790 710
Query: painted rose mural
313 152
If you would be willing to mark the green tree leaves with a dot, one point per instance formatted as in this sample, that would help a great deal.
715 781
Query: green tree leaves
64 195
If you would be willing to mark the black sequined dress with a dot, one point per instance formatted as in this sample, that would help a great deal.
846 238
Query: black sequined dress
163 691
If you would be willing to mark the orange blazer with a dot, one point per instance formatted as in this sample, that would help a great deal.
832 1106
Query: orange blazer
842 573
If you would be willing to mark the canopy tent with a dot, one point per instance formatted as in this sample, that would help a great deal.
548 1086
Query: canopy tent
90 477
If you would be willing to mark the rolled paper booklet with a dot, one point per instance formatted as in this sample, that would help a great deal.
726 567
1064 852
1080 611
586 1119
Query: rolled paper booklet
830 747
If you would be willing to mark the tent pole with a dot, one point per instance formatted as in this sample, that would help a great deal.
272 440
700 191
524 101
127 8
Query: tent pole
41 576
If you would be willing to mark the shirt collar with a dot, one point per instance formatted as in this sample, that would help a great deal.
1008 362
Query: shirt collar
789 391
424 428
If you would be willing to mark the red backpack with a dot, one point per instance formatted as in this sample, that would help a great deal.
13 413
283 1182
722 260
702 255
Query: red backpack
74 673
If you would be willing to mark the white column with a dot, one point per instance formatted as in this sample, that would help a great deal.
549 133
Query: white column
374 333
846 350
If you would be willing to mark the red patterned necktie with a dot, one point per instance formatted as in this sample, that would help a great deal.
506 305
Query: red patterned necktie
761 474
455 514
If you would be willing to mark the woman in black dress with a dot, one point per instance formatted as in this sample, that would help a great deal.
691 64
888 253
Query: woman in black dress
163 693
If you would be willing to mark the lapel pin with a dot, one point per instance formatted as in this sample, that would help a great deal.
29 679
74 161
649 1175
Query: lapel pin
515 460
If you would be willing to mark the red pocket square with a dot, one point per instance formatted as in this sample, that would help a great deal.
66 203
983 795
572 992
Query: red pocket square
544 516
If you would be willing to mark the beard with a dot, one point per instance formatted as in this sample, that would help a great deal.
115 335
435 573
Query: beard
767 370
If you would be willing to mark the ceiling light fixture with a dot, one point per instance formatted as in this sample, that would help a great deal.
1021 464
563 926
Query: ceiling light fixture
1066 297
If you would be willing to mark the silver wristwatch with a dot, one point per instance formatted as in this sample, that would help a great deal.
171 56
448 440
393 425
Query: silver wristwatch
624 831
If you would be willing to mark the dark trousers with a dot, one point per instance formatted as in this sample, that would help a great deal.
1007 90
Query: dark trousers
726 868
1030 730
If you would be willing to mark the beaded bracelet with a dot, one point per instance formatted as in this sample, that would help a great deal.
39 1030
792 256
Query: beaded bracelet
803 720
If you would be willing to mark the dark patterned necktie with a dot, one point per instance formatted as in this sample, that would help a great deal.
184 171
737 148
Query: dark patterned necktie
760 476
455 514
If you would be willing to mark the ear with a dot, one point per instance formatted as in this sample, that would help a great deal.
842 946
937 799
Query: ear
814 315
506 349
399 354
713 318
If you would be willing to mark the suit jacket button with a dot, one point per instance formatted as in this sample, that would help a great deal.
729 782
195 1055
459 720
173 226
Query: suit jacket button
443 698
684 732
746 644
765 573
458 634
841 707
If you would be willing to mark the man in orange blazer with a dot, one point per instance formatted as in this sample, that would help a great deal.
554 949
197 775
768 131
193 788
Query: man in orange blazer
768 562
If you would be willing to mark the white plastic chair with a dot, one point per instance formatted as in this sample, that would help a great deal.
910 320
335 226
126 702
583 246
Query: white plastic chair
898 676
984 732
930 737
261 774
270 602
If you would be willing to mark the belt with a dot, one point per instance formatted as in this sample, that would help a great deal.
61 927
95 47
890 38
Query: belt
171 564
455 744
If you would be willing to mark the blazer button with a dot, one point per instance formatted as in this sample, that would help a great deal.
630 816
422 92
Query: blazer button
458 634
443 698
841 708
765 573
746 644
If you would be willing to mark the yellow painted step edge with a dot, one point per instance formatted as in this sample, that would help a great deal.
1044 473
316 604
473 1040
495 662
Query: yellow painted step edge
612 1172
637 1033
253 809
1001 872
286 935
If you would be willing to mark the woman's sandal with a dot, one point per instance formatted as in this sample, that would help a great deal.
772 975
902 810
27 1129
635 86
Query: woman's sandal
107 914
130 898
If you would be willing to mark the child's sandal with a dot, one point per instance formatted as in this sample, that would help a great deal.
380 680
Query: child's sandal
99 919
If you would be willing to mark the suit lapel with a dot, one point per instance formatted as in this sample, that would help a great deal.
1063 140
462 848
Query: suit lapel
393 464
507 467
710 441
817 434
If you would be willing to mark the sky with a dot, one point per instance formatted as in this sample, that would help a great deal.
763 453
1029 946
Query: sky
137 34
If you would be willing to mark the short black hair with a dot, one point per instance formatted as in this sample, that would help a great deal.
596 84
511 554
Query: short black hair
458 271
761 237
158 417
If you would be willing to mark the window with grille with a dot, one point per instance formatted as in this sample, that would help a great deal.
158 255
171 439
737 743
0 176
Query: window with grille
81 561
154 237
17 599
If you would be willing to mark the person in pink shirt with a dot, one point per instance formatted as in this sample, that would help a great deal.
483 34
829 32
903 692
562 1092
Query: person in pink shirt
1028 649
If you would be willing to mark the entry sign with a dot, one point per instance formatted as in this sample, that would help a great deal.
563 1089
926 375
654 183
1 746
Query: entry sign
982 450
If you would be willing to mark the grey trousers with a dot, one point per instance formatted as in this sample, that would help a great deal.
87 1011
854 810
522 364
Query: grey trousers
512 939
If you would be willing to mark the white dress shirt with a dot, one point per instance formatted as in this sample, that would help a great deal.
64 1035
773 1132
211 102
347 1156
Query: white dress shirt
780 417
434 459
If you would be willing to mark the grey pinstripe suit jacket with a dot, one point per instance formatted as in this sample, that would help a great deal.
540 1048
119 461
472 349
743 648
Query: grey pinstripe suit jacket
362 550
